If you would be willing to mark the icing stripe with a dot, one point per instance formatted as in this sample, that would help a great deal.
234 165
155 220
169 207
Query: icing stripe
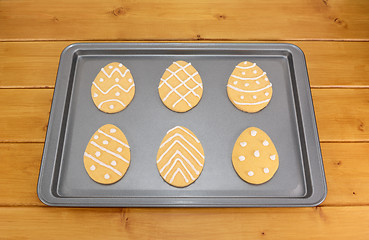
176 141
115 70
241 78
184 96
249 91
108 151
184 69
180 95
256 103
116 85
197 140
115 139
178 170
185 81
170 169
179 135
253 65
188 161
103 164
171 75
110 100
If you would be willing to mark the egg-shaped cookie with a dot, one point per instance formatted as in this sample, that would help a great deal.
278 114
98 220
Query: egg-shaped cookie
113 88
180 158
107 155
249 88
180 87
254 156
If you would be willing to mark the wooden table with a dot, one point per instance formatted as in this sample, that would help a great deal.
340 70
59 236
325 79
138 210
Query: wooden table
334 35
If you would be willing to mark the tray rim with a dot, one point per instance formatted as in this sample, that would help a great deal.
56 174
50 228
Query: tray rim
61 88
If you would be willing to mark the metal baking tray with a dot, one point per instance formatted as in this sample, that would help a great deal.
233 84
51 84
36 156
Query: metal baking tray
289 120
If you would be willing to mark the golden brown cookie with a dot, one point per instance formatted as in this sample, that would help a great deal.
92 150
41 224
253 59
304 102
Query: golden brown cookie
180 87
107 155
180 158
254 156
113 88
249 88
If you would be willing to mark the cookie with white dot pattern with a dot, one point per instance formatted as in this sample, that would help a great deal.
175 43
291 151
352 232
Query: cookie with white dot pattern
113 88
249 88
254 156
107 156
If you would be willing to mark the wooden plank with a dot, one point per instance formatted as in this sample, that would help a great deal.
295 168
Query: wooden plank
212 223
190 20
345 166
342 114
35 64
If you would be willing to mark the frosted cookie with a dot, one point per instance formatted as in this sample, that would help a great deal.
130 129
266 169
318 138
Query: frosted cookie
113 88
254 156
107 155
249 88
180 158
180 87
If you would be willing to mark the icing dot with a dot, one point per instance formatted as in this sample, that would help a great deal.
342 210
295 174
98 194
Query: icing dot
246 84
235 82
253 133
110 67
96 137
101 80
245 62
265 143
266 170
241 158
117 94
254 71
97 154
113 163
106 176
266 94
105 142
254 97
243 144
257 82
250 173
111 106
130 80
92 168
95 95
242 97
119 149
266 79
120 65
113 130
272 157
117 79
257 153
243 73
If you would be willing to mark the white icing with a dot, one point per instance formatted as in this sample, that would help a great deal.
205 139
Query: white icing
248 67
247 84
272 157
110 67
119 149
256 103
265 143
113 163
243 144
111 106
235 82
105 142
117 80
254 97
187 161
103 164
266 79
117 94
255 71
253 133
116 85
254 78
266 94
97 154
106 176
243 73
241 158
250 173
242 97
174 175
181 136
120 65
95 95
184 96
96 137
113 138
174 163
92 168
257 153
101 80
113 130
245 62
110 100
249 91
266 170
108 151
257 82
181 128
170 147
115 70
130 80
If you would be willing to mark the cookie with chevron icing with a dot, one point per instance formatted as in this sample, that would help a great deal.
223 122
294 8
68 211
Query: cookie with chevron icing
180 157
113 88
180 87
107 155
249 88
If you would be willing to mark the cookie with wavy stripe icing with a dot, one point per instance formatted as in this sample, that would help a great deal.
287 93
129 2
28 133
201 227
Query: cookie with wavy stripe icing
249 88
107 155
180 158
113 88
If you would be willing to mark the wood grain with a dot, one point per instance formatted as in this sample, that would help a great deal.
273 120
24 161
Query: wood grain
207 223
330 64
190 20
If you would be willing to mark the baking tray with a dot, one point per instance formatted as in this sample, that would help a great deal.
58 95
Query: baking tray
288 119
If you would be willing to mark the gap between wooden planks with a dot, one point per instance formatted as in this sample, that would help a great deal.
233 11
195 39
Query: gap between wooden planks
189 20
330 64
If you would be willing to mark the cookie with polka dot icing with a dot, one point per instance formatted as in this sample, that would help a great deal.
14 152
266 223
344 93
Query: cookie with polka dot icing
107 155
249 88
180 87
254 156
113 88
